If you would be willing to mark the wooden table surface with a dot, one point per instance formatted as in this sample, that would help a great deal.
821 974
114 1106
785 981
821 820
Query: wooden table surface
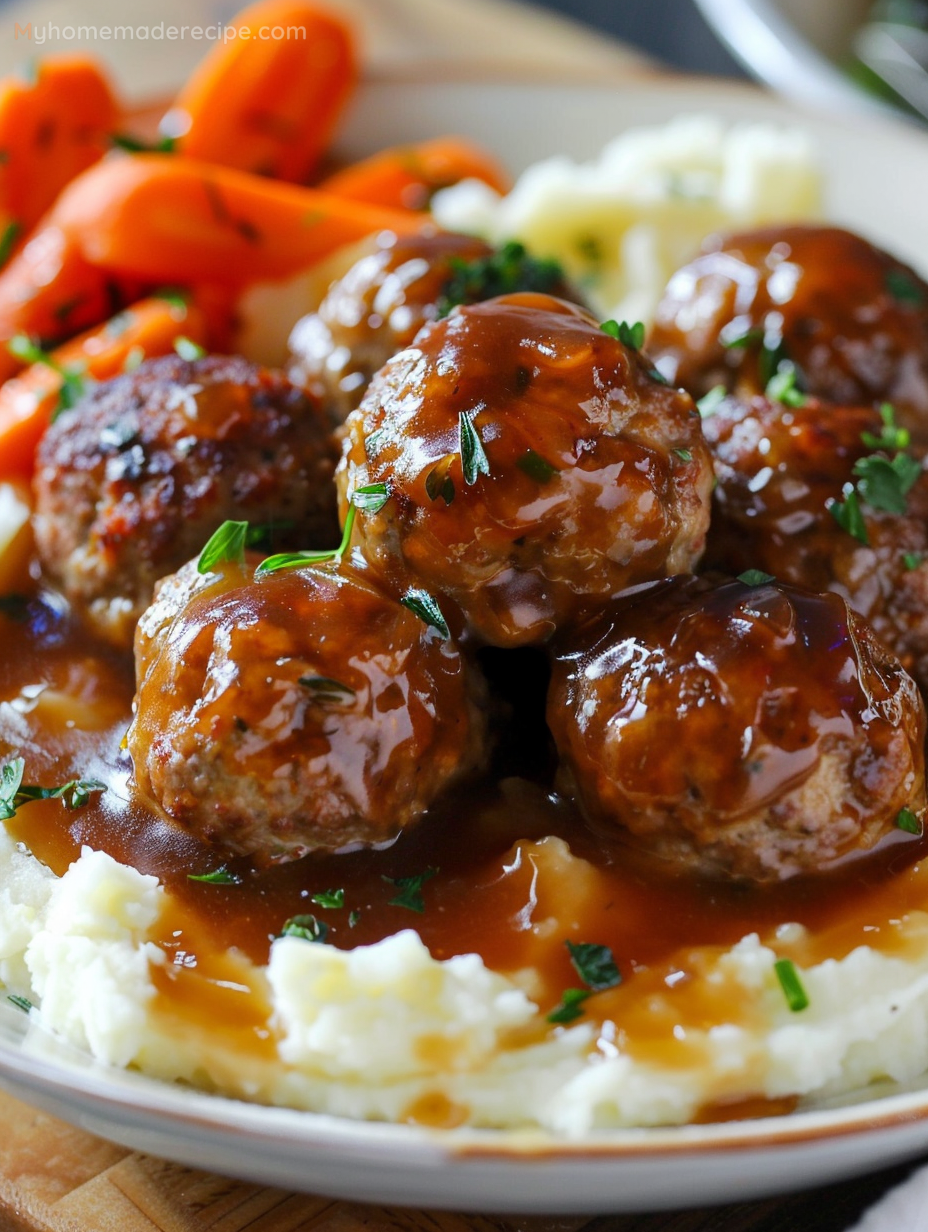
56 1178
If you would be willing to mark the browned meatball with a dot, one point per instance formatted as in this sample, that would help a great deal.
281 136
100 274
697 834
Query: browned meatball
853 319
740 731
783 473
534 467
134 480
299 710
384 299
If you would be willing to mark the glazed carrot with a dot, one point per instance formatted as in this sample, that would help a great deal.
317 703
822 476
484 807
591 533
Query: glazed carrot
29 400
176 220
51 128
50 292
268 104
405 177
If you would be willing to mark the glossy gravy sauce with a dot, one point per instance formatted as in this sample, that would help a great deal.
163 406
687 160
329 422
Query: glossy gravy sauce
513 873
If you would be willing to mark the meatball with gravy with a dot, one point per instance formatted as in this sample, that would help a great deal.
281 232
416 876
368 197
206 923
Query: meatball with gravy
853 319
294 711
379 305
133 481
534 464
739 730
792 499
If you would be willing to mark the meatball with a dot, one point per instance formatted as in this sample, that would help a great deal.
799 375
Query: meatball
299 710
133 481
534 466
739 731
852 318
381 303
785 472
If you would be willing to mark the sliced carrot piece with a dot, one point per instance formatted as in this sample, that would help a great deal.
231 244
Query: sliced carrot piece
29 400
52 127
268 100
406 176
176 220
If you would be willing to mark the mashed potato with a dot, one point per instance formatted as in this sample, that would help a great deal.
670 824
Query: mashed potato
621 225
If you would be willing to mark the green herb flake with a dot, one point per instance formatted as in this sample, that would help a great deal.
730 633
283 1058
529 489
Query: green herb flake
375 442
537 467
332 900
709 403
884 483
908 821
748 338
227 544
21 1003
325 689
438 483
509 269
570 1007
631 336
175 296
134 145
782 386
74 794
912 560
8 238
796 996
371 498
73 381
847 513
595 965
685 455
421 603
892 437
219 876
473 457
306 927
755 577
354 919
410 890
187 349
904 287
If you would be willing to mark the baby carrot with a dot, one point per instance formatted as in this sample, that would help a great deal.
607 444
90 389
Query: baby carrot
268 100
29 400
52 127
405 177
176 220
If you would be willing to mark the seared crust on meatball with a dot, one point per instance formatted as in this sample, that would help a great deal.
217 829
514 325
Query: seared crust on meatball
742 731
534 465
133 481
384 299
784 472
851 317
298 710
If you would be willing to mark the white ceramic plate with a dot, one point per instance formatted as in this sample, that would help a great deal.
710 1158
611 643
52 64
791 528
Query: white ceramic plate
878 183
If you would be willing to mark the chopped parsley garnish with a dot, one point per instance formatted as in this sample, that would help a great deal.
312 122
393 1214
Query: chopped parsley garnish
330 899
306 927
907 820
771 358
21 1003
225 544
473 457
325 689
685 455
912 560
709 403
421 603
595 965
11 233
783 387
755 577
750 337
438 483
884 483
14 793
904 288
410 890
134 145
631 336
369 499
73 383
187 349
847 513
218 876
571 1005
354 919
536 467
891 437
796 996
508 269
177 297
